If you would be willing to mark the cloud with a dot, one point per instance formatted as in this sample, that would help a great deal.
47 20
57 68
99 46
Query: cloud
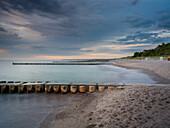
4 34
134 2
139 22
139 36
2 29
3 51
154 37
55 19
10 36
80 27
30 6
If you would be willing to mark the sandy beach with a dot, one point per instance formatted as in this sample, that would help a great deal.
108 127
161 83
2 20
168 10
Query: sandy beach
161 68
142 105
135 106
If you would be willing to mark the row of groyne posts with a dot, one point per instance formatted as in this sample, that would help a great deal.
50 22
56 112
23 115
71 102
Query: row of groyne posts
48 87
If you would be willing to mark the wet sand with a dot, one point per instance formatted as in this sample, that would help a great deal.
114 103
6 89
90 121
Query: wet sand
76 115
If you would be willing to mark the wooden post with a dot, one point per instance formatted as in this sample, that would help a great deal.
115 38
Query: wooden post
56 88
111 88
12 88
48 88
29 88
92 88
38 88
120 88
64 89
2 83
4 88
82 89
101 88
20 89
73 89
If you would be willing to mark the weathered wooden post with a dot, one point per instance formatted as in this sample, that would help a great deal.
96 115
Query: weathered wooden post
48 88
120 88
39 87
101 88
92 88
82 88
73 88
29 88
111 88
3 86
12 87
21 89
64 89
56 88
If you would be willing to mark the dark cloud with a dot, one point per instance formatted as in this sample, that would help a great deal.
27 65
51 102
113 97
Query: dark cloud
31 6
39 47
139 22
56 18
2 29
164 25
10 36
164 21
134 2
87 50
161 21
65 27
5 34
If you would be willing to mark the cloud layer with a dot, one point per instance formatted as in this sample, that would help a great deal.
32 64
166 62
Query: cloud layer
90 28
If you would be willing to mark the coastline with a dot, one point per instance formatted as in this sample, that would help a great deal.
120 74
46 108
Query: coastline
135 106
161 68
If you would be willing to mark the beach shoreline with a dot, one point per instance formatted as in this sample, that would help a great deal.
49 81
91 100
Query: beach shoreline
155 67
138 105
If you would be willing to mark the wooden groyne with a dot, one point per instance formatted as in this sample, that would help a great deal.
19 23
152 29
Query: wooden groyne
70 63
54 87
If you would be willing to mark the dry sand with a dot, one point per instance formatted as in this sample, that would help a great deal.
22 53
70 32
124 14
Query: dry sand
135 106
162 68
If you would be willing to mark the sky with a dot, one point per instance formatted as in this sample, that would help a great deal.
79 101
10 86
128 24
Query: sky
81 29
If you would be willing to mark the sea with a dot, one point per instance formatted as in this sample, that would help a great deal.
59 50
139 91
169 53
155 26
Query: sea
30 110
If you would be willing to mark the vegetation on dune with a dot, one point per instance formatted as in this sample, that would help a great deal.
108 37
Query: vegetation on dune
160 50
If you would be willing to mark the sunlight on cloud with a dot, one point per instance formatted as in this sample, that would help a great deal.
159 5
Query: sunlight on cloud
25 33
14 18
3 51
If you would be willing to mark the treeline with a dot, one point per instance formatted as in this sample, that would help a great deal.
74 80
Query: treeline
163 49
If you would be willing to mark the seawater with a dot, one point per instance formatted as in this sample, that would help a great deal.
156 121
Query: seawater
28 111
71 73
